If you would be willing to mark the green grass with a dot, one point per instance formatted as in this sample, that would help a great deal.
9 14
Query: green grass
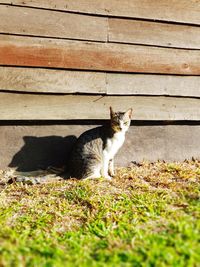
149 215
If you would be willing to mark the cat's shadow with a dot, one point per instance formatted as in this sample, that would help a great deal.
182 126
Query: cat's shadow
42 152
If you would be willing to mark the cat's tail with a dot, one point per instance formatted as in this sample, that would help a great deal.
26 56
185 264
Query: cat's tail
49 175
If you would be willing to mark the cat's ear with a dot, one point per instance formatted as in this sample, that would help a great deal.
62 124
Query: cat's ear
128 113
112 113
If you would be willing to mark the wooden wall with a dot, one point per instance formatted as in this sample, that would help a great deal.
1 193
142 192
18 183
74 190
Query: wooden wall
69 60
142 54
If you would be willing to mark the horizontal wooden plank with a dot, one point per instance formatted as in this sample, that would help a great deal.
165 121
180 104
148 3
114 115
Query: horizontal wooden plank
28 21
45 23
147 84
153 33
36 147
42 52
63 81
51 81
181 11
68 107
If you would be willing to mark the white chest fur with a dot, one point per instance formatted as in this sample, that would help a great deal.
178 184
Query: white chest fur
113 144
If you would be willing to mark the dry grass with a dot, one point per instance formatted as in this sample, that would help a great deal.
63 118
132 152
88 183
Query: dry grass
148 215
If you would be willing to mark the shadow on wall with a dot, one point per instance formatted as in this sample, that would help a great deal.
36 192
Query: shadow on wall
42 152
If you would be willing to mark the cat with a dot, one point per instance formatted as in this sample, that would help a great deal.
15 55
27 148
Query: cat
94 152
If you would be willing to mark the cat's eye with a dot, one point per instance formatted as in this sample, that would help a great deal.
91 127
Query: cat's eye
126 123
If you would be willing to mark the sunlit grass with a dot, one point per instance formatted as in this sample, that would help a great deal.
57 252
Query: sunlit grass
148 215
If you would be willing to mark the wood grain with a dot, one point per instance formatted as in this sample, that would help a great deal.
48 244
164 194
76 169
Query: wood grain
42 52
46 23
68 107
51 81
178 11
36 22
153 33
39 80
147 84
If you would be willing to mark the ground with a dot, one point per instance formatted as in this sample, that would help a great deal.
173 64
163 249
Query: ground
149 215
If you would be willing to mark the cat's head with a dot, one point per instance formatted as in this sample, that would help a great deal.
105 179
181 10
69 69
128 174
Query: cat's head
120 121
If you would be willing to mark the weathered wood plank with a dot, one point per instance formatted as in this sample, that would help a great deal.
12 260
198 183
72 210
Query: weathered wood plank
66 107
28 148
51 81
63 81
42 52
142 84
181 11
153 33
37 22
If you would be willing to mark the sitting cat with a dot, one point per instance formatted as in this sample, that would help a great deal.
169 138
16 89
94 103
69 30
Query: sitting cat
94 151
92 155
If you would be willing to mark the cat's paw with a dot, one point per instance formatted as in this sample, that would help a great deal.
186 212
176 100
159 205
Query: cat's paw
108 177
